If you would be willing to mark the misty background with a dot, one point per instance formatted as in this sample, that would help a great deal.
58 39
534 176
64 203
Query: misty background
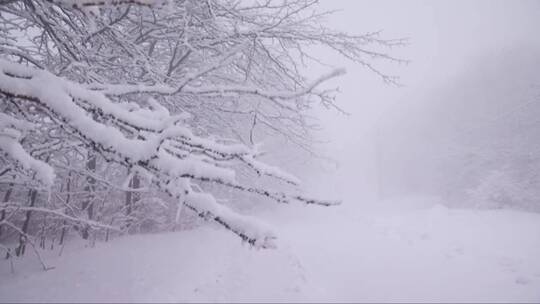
472 74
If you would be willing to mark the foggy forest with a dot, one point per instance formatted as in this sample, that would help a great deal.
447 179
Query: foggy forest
269 151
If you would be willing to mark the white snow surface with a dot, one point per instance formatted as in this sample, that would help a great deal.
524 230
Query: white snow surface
422 253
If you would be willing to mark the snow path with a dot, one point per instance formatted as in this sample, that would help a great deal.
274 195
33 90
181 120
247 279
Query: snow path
429 254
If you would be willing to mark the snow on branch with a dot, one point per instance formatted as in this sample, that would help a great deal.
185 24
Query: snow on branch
11 130
248 228
123 89
88 3
14 149
58 213
160 145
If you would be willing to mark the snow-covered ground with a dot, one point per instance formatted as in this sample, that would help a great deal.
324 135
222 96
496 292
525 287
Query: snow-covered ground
423 252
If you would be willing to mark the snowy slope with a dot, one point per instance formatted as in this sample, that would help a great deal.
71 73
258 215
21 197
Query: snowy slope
424 254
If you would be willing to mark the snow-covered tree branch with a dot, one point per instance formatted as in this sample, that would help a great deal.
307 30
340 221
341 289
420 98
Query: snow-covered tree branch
163 96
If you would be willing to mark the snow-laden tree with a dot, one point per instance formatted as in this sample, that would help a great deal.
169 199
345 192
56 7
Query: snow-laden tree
164 94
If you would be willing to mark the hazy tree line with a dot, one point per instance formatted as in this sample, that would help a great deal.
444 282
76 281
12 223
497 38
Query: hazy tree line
473 141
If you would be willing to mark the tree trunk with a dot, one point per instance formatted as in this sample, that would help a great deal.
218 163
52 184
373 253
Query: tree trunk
68 198
88 204
132 197
6 199
22 239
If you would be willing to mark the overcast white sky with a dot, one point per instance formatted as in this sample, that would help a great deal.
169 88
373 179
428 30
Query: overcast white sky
445 37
